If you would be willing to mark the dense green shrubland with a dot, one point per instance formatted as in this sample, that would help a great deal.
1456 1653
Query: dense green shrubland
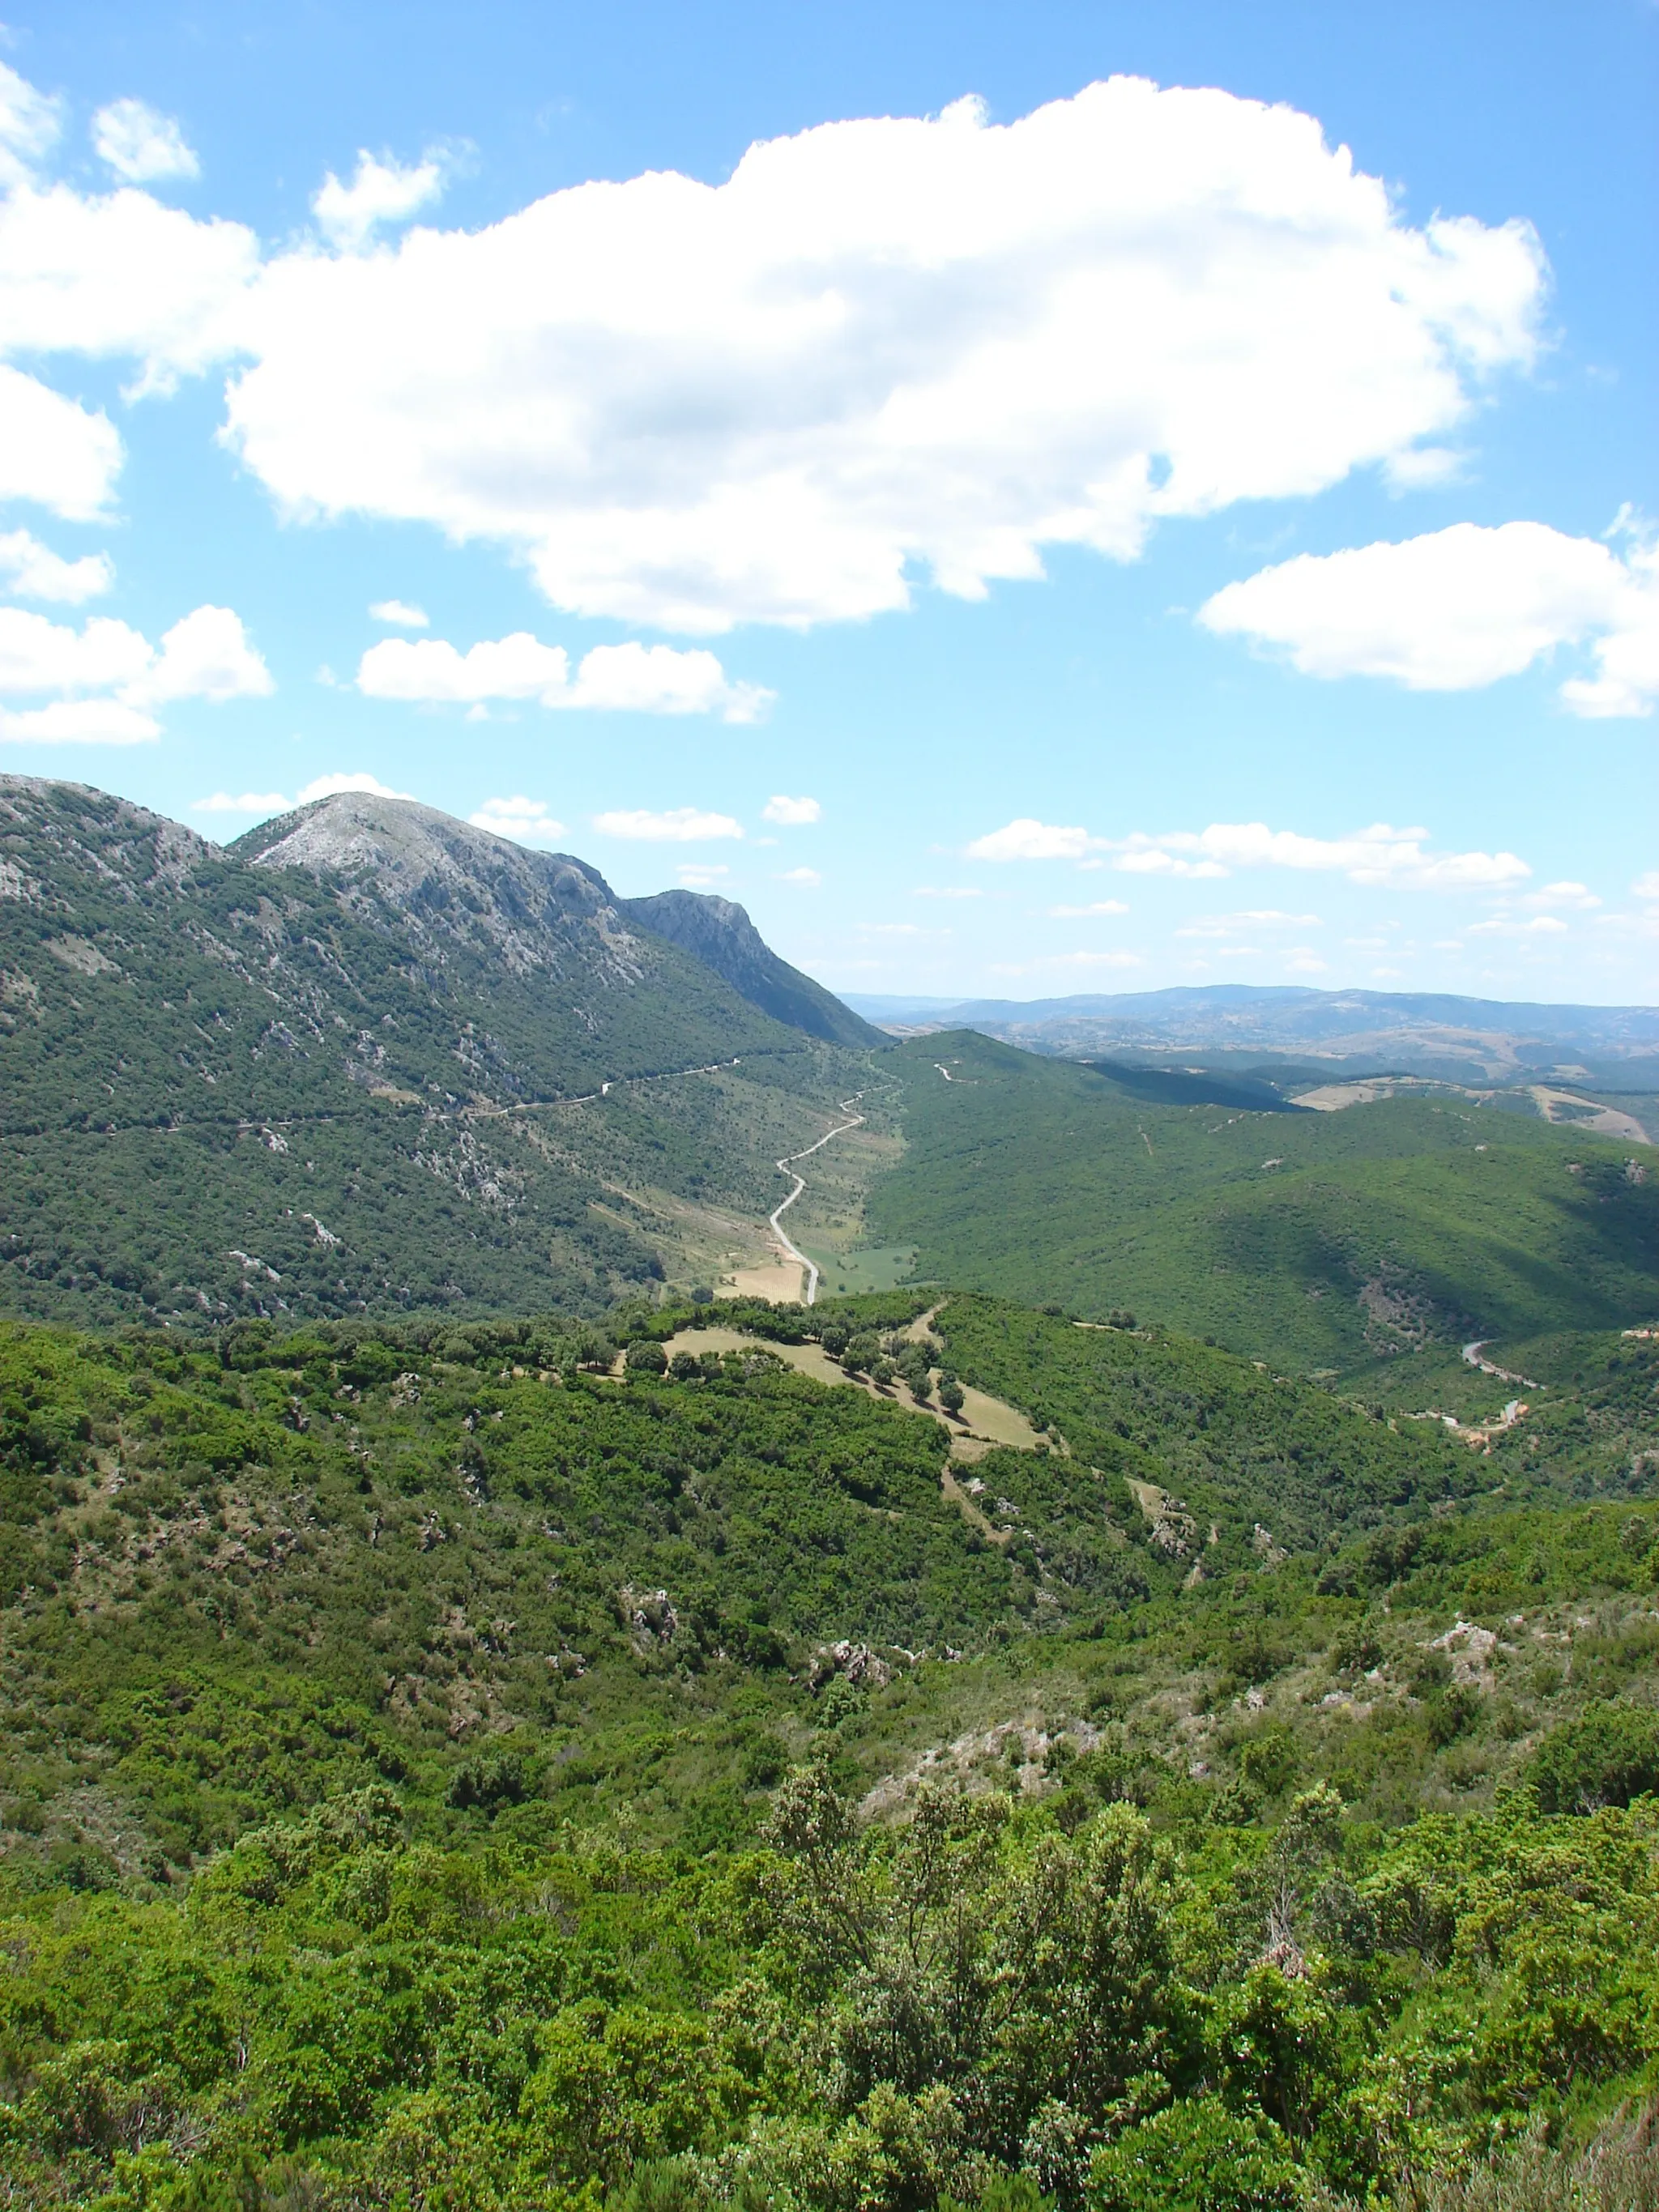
849 2015
429 1776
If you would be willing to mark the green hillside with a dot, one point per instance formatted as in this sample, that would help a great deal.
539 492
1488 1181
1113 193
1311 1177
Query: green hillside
230 1088
1343 1241
431 1774
457 1763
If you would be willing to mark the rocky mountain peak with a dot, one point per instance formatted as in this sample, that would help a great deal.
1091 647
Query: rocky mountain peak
450 880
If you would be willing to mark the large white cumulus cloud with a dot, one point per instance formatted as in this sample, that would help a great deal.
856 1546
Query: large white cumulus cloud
880 350
883 345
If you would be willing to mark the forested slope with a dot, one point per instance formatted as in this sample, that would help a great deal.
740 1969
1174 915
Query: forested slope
1341 1241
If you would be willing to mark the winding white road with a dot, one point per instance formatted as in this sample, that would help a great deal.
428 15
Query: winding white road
785 1165
1472 1353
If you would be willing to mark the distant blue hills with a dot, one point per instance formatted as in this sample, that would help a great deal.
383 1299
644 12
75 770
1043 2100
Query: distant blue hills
1422 1031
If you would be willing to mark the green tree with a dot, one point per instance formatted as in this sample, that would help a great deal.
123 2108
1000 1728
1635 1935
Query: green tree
1197 2156
1609 1756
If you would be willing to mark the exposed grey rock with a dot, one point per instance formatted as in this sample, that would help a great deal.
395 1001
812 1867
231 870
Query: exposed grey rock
719 933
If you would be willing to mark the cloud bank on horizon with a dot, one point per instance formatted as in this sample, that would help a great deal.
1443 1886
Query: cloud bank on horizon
1378 855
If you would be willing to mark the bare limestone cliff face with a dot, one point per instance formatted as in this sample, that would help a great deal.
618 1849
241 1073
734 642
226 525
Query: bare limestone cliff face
455 885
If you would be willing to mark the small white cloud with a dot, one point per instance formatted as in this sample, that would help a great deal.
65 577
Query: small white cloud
274 802
1303 960
142 147
1379 855
698 875
1461 608
1423 468
29 124
1153 860
1541 924
35 572
654 679
657 679
1644 925
681 825
330 786
80 722
1563 895
1232 924
381 192
526 821
794 813
809 877
1647 886
1082 913
37 654
205 656
430 671
61 455
1027 839
247 802
400 613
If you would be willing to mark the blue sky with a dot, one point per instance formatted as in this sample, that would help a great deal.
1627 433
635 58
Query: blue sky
1051 534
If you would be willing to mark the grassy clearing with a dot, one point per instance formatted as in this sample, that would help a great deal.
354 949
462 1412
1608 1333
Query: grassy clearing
866 1267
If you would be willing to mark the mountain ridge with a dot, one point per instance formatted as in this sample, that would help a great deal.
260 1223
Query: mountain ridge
234 1084
452 878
